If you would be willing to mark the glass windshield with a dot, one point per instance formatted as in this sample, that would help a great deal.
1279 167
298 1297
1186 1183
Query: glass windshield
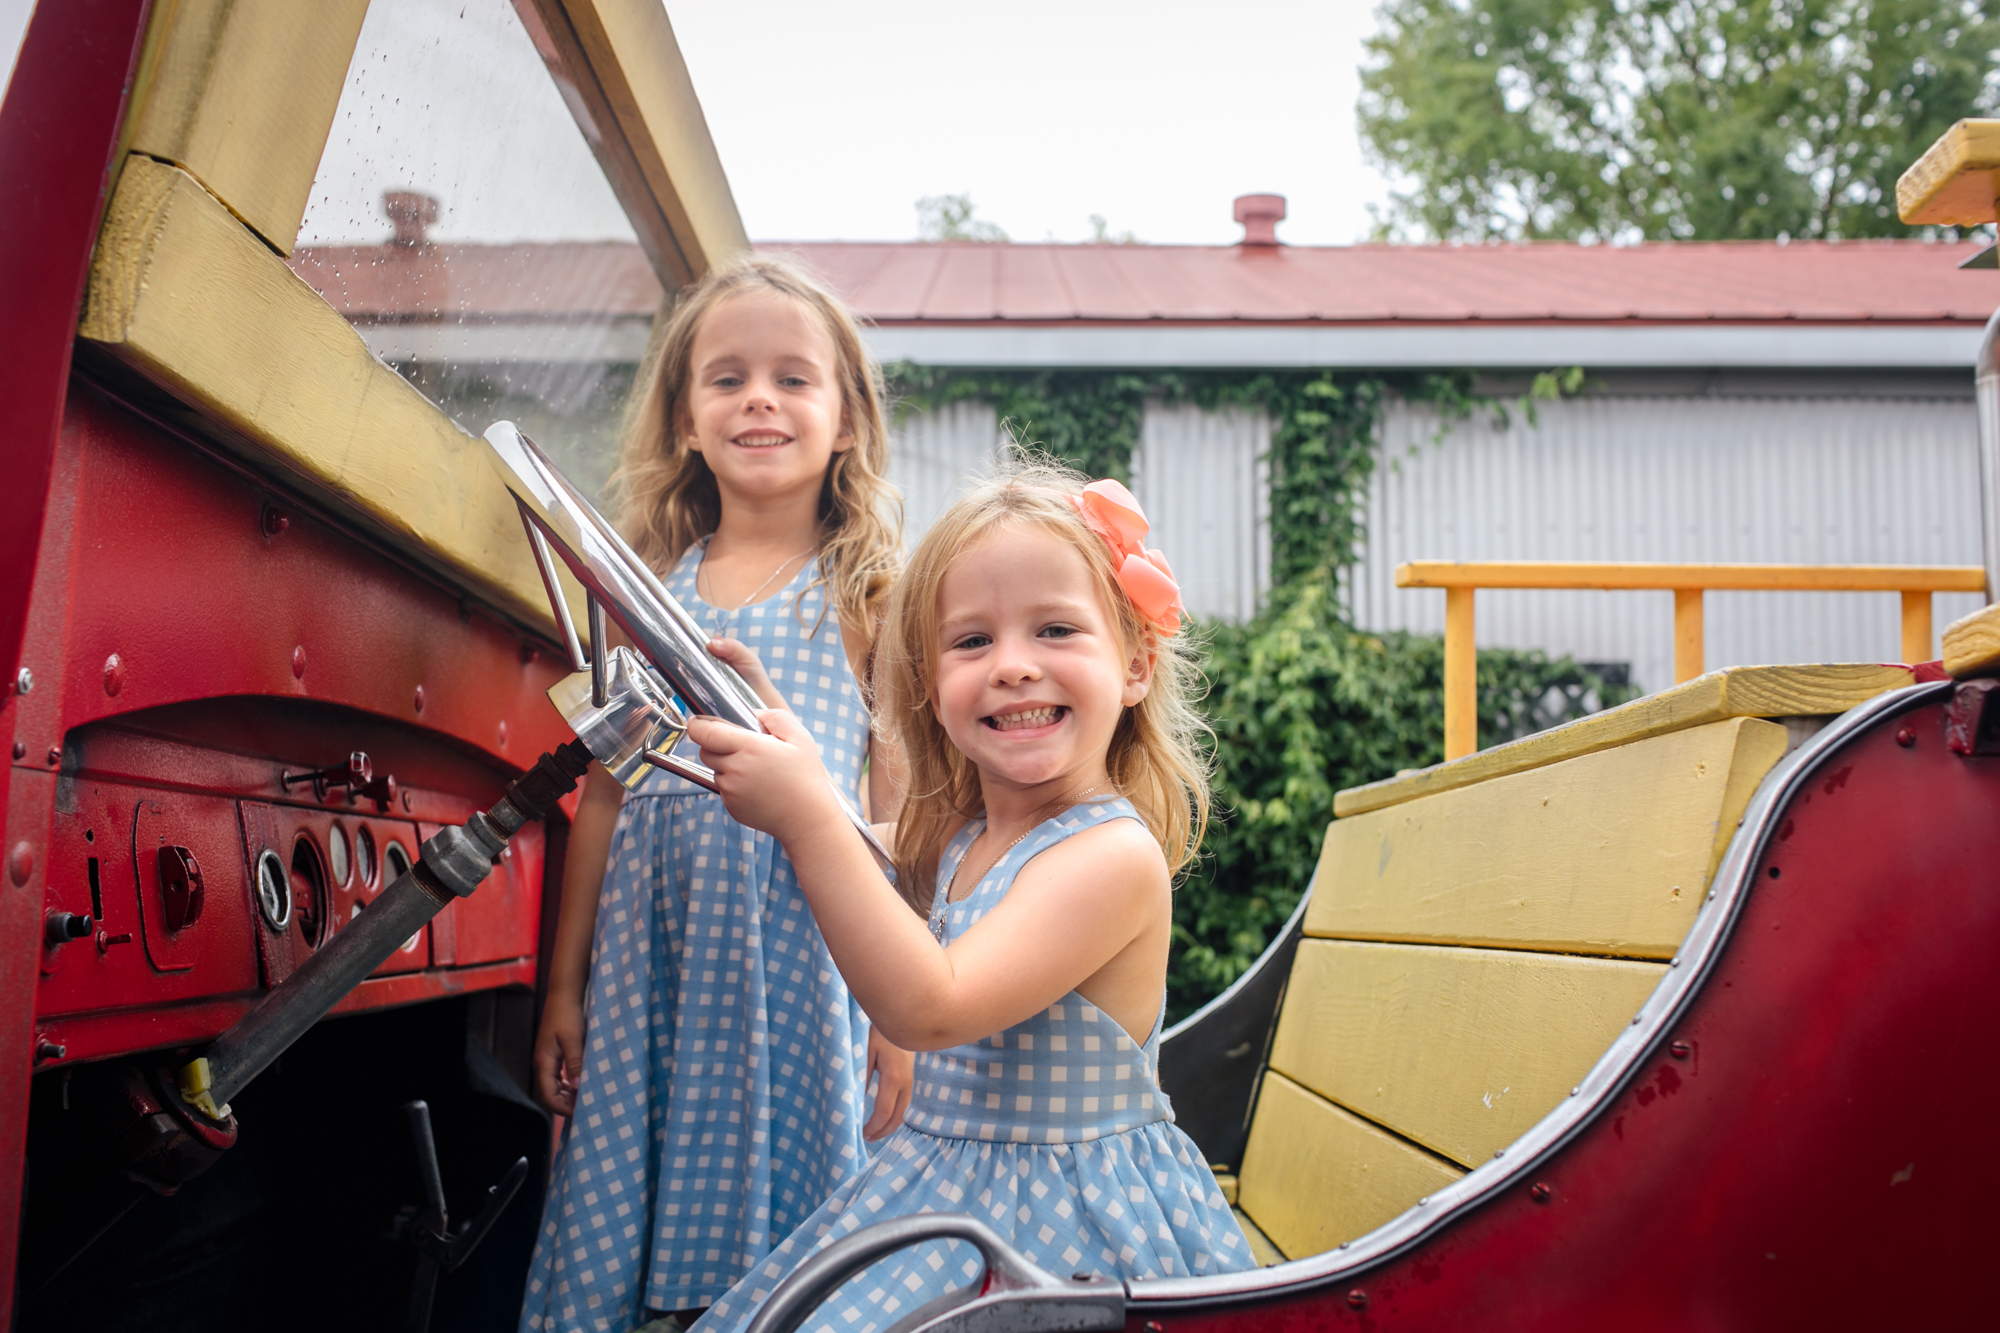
461 224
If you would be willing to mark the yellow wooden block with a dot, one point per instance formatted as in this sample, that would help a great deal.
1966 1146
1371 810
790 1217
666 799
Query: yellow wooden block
1957 179
1608 853
1315 1175
1460 1050
1226 1182
241 94
180 290
1972 644
1261 1248
1763 691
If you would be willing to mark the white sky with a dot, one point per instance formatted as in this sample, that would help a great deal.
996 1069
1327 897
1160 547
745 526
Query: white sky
833 119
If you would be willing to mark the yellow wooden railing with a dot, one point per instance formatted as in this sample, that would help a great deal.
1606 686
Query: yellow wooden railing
1461 580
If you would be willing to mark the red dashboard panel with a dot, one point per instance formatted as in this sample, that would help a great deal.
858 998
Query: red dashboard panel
201 645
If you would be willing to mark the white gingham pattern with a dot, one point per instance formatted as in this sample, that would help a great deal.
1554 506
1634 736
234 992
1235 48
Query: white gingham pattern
722 1097
1053 1132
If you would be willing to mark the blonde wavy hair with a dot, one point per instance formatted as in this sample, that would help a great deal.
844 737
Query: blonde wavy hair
667 497
1155 759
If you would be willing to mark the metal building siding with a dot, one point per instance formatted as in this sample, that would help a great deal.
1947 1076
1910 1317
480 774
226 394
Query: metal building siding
1198 474
1805 480
933 455
1205 487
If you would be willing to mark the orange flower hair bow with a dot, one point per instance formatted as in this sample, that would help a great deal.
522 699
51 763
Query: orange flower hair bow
1114 514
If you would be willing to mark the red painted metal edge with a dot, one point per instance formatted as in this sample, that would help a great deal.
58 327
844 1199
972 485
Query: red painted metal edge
58 132
1807 1147
160 1027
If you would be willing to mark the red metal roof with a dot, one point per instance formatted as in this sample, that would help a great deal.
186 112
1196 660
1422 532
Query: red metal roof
561 280
1760 282
920 283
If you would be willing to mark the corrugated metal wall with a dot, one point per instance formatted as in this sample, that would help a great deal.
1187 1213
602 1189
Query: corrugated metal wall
932 455
1205 488
1197 473
1797 480
1806 480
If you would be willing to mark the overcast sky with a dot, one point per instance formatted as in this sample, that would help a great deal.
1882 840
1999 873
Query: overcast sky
832 119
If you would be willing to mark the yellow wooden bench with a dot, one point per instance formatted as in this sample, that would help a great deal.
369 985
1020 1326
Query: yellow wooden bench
1480 932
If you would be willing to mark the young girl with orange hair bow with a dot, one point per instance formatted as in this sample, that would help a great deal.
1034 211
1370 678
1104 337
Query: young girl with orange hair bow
1034 678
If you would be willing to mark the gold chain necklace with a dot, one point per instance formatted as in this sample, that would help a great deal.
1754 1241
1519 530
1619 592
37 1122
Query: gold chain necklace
1054 808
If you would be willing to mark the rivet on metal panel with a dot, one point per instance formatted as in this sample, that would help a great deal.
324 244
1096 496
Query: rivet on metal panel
24 680
420 698
1675 961
1423 1201
1540 1192
1574 1091
21 863
1357 1299
55 754
49 1050
503 733
1152 1325
1680 1050
1499 1152
20 749
274 521
114 675
1905 737
299 662
105 939
406 800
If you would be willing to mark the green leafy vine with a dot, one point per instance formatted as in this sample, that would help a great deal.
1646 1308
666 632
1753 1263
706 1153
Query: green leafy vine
1302 703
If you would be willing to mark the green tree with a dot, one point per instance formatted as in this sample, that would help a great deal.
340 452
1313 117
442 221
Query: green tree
1615 120
953 217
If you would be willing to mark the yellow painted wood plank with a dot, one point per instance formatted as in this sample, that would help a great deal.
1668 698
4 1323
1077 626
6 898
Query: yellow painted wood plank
1773 691
1261 1248
1315 1175
1956 180
1607 853
1226 1182
241 94
1717 577
1460 1050
183 292
1972 644
622 59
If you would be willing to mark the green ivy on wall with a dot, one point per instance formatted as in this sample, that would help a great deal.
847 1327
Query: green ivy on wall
1323 426
1302 703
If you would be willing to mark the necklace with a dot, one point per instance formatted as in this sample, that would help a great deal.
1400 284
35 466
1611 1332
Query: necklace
726 610
943 907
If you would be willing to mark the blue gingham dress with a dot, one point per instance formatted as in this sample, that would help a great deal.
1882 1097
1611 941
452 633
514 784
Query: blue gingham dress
721 1098
1054 1132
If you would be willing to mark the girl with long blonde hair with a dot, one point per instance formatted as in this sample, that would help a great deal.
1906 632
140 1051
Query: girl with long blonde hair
711 1061
1033 673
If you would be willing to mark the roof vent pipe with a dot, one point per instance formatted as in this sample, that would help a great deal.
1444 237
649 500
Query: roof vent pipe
412 214
1260 215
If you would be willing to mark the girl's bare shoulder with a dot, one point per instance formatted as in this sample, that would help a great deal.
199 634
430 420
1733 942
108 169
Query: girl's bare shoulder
1117 854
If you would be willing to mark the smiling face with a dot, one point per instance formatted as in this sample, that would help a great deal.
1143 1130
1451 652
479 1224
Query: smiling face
1032 675
764 399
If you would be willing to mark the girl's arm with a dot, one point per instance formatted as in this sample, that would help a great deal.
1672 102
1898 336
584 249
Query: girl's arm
559 1044
1071 912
